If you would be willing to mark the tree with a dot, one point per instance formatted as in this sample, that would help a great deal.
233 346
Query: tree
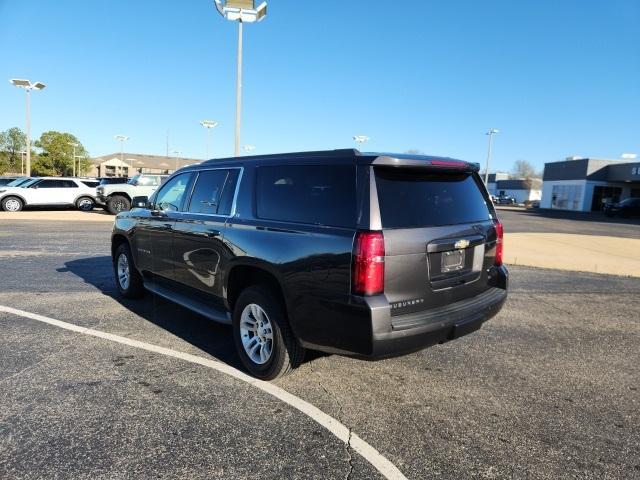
12 143
523 169
56 156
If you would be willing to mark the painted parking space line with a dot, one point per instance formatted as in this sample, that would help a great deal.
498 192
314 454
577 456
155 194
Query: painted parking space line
370 454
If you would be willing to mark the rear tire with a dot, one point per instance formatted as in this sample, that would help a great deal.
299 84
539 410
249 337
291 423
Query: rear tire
85 204
117 204
128 279
12 204
265 343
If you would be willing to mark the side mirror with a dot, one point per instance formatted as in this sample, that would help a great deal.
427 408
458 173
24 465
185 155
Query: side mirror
140 202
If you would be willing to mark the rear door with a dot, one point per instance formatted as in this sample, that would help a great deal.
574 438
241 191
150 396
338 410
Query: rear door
199 250
439 235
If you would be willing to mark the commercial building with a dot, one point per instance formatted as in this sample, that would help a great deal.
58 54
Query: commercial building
129 164
586 184
523 190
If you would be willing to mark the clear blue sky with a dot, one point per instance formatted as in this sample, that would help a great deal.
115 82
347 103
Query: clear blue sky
557 78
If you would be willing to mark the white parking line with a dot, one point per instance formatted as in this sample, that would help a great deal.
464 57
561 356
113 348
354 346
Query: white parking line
375 458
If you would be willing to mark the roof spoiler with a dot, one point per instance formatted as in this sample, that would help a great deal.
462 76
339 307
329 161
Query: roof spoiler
436 163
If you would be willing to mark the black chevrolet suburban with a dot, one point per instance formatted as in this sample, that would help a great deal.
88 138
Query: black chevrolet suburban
370 255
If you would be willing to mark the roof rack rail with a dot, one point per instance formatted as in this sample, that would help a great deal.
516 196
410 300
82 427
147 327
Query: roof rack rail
319 153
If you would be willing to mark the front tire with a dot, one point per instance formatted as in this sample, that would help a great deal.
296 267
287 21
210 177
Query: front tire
117 204
85 204
265 343
12 204
128 279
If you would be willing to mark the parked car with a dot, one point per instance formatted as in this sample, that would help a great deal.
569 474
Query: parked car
53 191
112 180
116 198
6 180
629 207
358 254
505 200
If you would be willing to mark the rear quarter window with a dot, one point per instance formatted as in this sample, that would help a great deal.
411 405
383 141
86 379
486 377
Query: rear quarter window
413 199
311 194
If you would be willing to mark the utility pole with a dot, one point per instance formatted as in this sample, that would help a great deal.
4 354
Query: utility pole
491 133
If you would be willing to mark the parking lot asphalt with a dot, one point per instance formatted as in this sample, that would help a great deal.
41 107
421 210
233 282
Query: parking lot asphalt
547 389
536 220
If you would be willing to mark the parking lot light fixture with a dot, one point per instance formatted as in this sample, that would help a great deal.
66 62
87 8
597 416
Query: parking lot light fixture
122 139
74 145
177 153
209 125
491 133
360 139
241 11
249 148
28 86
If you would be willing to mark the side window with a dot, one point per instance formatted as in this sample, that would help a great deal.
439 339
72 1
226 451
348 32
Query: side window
228 192
49 184
207 192
90 183
313 194
147 181
68 184
170 196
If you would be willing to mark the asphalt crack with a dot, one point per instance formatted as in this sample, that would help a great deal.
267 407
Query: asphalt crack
339 416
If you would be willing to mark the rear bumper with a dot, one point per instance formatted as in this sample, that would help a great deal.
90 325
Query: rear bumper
366 328
414 332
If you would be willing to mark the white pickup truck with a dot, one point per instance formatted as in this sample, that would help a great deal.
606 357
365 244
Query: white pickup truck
116 198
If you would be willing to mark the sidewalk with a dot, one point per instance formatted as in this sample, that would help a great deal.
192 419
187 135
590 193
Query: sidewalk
583 253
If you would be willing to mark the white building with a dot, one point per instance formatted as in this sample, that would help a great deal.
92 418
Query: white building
586 184
523 190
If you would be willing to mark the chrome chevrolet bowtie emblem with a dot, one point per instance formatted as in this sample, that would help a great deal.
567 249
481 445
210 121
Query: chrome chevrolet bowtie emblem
461 244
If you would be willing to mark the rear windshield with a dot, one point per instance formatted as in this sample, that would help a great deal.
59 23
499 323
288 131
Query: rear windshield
313 194
411 199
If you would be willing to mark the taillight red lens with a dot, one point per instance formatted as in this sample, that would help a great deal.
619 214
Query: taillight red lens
448 163
499 242
368 264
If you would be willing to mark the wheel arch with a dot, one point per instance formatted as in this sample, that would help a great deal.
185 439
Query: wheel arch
243 275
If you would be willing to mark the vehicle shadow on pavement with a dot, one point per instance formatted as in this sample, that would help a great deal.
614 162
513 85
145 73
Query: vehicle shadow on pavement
210 337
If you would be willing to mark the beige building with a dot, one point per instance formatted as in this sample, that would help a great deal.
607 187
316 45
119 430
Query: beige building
133 163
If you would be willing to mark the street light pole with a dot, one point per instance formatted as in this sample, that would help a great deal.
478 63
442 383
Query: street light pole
491 133
122 139
360 139
177 154
28 86
236 10
209 125
239 90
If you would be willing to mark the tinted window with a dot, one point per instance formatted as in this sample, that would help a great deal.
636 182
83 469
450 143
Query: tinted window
322 195
56 184
90 183
172 193
413 199
207 192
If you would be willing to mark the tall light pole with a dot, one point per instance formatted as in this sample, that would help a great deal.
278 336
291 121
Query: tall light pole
22 155
74 145
360 139
28 86
491 133
122 139
177 153
241 11
209 125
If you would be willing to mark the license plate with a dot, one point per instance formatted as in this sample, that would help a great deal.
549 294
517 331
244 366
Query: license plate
452 261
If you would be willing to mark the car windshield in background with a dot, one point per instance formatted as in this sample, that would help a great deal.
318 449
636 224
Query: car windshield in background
29 182
411 199
317 195
133 180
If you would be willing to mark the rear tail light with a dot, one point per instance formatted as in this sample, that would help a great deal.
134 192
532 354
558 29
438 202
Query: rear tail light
368 264
499 242
449 163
